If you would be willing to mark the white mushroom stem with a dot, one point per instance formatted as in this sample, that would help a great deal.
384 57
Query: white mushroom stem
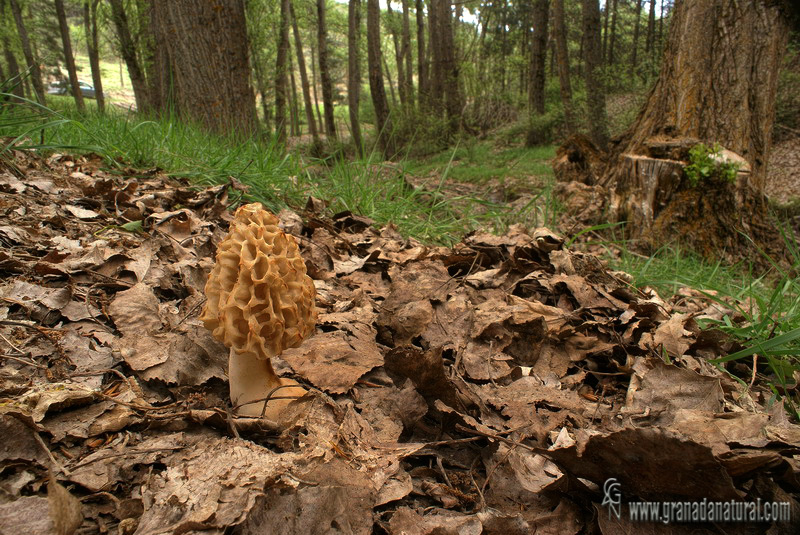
251 379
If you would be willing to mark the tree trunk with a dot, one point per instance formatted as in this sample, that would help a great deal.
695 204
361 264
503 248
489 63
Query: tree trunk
69 59
613 37
541 14
717 84
409 81
595 88
389 82
314 86
14 74
294 112
127 50
207 51
445 90
324 70
261 82
301 64
422 65
398 55
374 60
606 12
27 50
636 26
90 25
562 56
281 78
650 41
354 72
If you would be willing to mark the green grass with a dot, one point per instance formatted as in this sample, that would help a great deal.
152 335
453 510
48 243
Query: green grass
275 178
478 163
766 318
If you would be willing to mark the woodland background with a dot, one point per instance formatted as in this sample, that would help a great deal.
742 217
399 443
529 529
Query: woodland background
417 151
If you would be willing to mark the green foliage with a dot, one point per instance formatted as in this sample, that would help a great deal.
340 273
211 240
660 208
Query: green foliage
766 309
706 164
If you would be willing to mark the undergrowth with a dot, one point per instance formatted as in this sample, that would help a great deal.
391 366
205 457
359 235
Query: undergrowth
275 178
766 311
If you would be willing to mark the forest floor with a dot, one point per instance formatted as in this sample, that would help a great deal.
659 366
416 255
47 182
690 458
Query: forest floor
492 387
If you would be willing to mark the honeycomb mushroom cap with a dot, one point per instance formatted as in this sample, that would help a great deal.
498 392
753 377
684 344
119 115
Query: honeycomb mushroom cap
260 300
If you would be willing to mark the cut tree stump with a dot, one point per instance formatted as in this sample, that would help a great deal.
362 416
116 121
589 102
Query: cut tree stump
641 188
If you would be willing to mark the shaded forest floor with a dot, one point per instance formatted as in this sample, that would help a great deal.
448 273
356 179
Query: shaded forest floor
488 387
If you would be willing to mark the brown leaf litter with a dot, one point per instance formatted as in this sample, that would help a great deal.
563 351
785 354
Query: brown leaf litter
491 387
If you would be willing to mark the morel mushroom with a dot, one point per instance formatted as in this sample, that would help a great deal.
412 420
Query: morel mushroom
259 303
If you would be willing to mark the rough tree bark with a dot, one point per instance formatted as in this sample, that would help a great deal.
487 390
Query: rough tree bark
69 58
541 14
717 84
301 64
27 51
208 60
562 57
90 26
595 88
354 72
281 77
128 52
324 70
374 58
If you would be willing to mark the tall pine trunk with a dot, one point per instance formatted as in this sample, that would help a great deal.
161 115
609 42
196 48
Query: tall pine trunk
301 65
90 26
562 59
422 64
128 52
69 58
354 72
281 78
636 26
595 88
374 60
27 51
324 70
409 81
541 14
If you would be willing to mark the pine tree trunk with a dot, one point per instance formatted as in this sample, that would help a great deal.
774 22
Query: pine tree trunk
301 64
541 14
315 85
613 37
281 78
562 57
128 52
374 61
27 50
90 25
398 56
409 80
637 24
595 90
207 51
650 42
324 70
294 112
69 58
422 64
354 72
14 74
